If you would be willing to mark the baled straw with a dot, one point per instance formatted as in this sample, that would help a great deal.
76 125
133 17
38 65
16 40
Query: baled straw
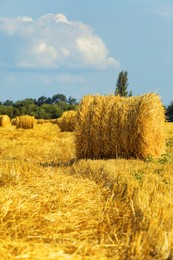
5 121
67 122
13 121
120 127
25 122
40 121
54 121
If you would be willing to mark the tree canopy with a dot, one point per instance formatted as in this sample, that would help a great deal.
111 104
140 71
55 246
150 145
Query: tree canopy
169 112
43 107
122 84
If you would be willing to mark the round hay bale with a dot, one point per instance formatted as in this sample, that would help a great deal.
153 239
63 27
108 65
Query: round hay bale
25 122
67 122
54 121
47 121
5 121
40 121
13 121
120 127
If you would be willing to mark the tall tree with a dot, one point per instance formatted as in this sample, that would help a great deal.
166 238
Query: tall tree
41 100
58 98
122 84
169 112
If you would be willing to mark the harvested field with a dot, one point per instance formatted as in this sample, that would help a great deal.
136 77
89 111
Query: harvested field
53 206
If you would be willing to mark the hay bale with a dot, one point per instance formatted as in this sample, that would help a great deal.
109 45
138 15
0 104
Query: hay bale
5 121
25 122
40 121
67 122
13 121
47 121
54 121
119 127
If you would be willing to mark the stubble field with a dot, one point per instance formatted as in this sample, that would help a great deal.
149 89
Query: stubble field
54 207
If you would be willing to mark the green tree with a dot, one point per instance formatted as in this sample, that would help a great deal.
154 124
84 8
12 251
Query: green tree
169 112
59 98
41 100
43 107
26 106
8 103
6 110
122 84
51 111
71 101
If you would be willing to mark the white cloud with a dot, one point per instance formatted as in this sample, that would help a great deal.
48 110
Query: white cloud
52 41
65 52
25 19
94 52
61 18
166 12
45 54
13 26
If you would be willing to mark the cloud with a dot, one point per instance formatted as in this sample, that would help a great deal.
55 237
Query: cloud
166 12
52 41
93 51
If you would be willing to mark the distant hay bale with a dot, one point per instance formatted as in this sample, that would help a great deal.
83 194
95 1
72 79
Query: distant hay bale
47 121
13 121
40 121
67 122
120 127
5 121
25 122
54 121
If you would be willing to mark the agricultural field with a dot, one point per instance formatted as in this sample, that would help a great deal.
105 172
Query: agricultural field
53 206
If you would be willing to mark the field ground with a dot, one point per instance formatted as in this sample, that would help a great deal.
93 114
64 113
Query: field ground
53 207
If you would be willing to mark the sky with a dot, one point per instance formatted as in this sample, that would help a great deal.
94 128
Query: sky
78 48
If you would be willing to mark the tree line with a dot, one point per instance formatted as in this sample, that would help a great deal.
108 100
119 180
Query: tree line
43 107
53 107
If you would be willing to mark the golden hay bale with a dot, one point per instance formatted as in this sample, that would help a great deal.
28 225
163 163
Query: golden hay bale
47 121
67 122
54 121
25 122
5 121
120 127
13 121
40 121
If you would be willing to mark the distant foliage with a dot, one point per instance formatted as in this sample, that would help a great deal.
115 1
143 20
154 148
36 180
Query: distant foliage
43 107
122 84
169 112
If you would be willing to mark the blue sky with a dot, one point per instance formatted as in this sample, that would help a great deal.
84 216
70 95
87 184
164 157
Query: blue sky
79 47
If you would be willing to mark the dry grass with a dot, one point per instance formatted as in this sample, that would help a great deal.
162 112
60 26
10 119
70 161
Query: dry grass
119 127
54 207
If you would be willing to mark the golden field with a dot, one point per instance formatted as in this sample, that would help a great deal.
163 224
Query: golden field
54 207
